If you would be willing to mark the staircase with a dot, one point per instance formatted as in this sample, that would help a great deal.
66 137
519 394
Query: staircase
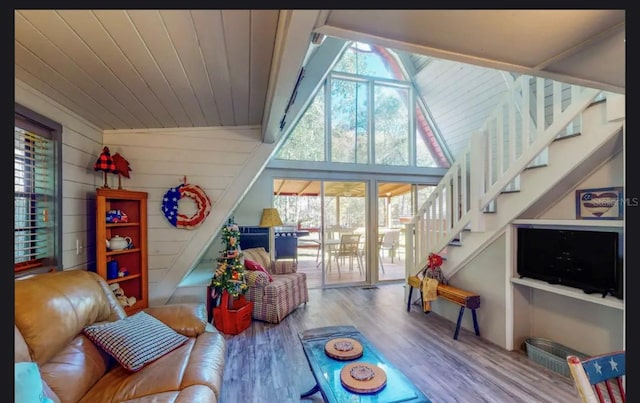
538 142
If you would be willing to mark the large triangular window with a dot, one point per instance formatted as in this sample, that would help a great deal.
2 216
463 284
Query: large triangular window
365 112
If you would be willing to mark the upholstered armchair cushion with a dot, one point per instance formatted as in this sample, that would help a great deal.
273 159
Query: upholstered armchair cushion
261 256
284 267
256 278
255 266
185 318
274 300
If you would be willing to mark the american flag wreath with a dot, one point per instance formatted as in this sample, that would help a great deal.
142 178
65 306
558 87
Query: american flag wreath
170 206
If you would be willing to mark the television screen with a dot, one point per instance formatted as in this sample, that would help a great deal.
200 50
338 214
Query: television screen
587 259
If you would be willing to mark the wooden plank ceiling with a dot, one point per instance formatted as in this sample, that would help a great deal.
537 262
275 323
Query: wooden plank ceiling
578 46
128 69
295 187
137 69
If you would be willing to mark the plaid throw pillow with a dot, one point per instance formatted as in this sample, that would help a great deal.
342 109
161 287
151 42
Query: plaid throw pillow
255 266
136 340
256 278
258 255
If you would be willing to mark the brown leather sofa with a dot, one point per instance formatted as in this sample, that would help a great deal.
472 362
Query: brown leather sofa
52 309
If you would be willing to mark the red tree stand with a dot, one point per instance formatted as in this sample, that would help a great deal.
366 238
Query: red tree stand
235 318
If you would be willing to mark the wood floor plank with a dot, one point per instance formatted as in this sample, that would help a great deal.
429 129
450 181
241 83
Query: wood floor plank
266 363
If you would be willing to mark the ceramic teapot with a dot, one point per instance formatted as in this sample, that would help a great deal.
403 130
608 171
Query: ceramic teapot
118 242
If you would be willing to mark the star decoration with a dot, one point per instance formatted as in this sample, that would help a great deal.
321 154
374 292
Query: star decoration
597 367
614 365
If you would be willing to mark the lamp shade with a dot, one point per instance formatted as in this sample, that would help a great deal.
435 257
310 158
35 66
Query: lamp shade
270 218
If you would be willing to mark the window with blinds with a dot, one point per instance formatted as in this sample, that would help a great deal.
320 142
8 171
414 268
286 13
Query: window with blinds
34 195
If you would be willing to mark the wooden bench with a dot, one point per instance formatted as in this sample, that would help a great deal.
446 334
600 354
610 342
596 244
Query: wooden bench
465 299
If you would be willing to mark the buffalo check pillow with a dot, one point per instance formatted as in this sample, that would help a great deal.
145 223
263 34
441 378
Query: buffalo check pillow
255 266
135 340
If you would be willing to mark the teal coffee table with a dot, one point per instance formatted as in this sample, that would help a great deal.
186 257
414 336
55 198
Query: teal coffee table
326 370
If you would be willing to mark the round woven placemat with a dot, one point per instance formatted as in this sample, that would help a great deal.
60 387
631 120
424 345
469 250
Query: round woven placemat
343 349
363 377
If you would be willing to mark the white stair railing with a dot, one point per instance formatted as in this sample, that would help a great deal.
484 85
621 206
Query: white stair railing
532 114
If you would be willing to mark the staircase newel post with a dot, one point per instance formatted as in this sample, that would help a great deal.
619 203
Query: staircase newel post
477 175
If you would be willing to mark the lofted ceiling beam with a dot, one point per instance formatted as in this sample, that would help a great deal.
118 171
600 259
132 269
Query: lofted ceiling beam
572 65
292 41
315 71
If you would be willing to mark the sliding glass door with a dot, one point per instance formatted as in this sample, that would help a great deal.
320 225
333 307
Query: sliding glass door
394 210
347 233
344 232
398 202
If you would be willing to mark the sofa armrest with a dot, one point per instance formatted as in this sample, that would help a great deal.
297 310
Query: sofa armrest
187 319
256 278
284 267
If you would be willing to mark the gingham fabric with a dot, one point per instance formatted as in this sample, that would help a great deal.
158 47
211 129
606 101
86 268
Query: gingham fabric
258 255
284 267
135 340
274 302
250 265
261 256
256 278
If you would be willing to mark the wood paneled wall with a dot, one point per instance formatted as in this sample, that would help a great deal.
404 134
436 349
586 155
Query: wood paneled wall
222 161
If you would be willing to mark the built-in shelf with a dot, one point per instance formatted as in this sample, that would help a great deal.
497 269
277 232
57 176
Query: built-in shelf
122 224
569 223
571 292
535 310
124 278
122 251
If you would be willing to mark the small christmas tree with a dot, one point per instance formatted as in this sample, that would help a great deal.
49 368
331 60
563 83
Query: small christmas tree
229 274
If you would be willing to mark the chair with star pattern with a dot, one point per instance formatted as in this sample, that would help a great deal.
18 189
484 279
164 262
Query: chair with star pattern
600 378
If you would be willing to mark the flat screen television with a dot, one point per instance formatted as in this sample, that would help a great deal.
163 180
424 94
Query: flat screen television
590 260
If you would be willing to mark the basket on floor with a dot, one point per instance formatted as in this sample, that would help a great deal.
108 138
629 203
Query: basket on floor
551 354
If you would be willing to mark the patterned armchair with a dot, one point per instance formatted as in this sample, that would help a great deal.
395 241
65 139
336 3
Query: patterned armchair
274 300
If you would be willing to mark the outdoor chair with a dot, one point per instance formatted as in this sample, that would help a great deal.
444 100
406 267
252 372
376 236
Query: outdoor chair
349 247
390 242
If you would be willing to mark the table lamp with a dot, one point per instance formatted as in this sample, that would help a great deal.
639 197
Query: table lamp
271 218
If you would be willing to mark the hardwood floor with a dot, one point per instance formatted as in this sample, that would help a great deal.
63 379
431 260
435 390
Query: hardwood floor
265 363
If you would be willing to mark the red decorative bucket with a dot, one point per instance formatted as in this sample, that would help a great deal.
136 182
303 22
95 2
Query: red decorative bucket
234 319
